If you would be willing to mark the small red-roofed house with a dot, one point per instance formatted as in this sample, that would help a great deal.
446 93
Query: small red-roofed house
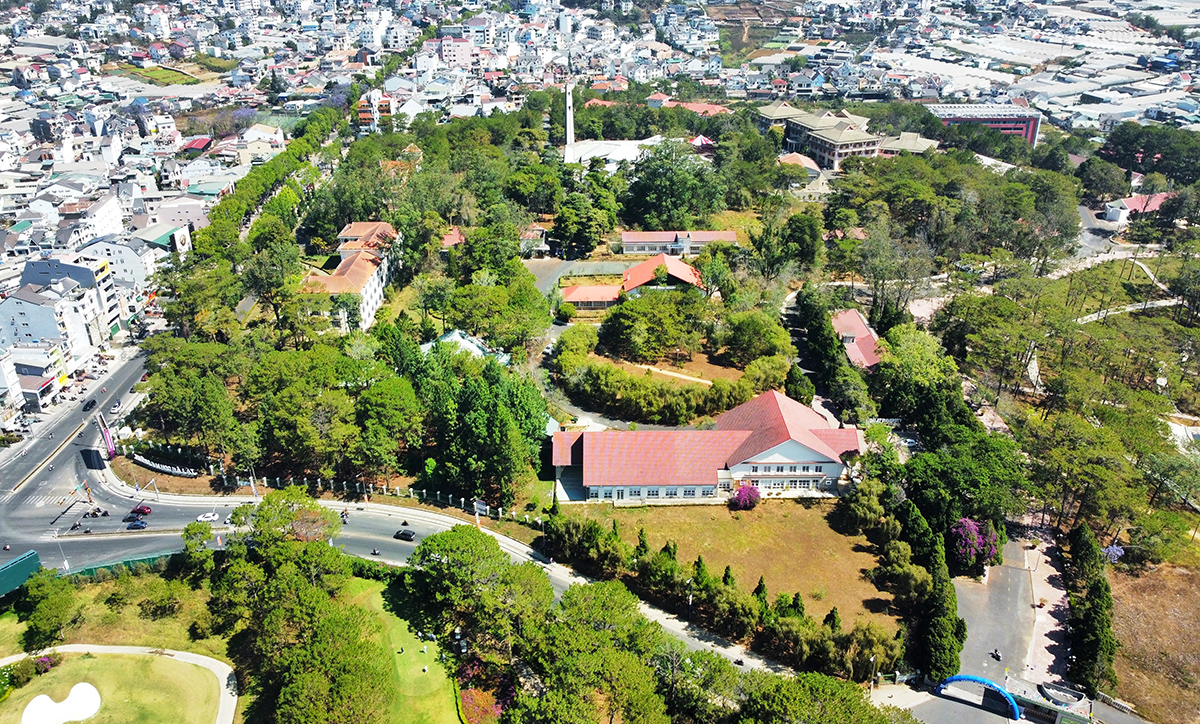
678 272
452 238
861 342
780 446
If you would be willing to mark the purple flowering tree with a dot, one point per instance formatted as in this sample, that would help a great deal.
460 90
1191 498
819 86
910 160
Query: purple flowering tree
972 545
745 498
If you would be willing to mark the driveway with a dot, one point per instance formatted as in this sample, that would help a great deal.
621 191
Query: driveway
999 614
549 271
1094 234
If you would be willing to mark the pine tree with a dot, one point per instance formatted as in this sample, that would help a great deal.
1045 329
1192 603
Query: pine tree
760 592
643 547
727 579
700 573
833 621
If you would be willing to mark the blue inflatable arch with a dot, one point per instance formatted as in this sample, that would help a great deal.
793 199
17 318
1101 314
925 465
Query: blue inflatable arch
1015 711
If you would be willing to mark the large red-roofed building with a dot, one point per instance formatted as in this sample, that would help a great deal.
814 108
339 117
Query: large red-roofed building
782 447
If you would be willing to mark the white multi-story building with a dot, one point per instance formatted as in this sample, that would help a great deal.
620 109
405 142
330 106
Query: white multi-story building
90 273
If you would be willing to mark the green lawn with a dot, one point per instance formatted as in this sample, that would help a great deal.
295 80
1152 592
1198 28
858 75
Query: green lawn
10 634
421 697
133 690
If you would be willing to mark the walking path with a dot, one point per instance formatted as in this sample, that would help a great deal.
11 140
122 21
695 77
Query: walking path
694 637
669 373
1136 307
226 681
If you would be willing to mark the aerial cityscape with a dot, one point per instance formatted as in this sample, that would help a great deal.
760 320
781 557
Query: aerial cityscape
582 361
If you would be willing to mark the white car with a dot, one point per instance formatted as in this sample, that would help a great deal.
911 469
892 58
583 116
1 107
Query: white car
208 518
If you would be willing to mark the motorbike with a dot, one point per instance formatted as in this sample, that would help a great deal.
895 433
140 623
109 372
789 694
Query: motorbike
996 654
104 514
374 551
87 530
76 526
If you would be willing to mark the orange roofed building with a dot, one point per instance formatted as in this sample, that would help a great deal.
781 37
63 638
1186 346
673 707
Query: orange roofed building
364 270
603 296
780 446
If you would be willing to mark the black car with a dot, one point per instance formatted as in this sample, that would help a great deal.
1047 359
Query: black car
131 518
405 534
89 405
133 390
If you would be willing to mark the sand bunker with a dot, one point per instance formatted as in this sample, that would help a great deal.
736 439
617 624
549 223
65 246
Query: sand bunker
82 703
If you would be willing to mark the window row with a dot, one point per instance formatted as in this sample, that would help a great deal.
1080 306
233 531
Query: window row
790 468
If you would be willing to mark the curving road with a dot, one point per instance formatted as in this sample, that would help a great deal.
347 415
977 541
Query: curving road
38 506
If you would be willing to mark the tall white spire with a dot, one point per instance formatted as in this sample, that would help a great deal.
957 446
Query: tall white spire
570 113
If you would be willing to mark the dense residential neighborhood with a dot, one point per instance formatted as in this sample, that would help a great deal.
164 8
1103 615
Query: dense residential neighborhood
602 360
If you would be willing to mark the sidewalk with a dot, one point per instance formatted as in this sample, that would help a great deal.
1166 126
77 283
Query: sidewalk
899 695
226 681
1047 656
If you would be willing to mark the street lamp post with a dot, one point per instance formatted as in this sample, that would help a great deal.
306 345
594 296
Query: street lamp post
872 673
66 566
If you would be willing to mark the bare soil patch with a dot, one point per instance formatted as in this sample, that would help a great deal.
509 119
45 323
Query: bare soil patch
1157 620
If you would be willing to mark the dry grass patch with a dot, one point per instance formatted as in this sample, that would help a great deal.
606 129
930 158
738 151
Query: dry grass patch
1157 621
788 543
136 475
117 621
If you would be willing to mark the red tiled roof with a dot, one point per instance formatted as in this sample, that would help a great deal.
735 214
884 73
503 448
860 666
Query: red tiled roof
644 273
864 350
675 457
658 97
365 235
772 419
350 276
693 457
597 102
1144 203
667 237
568 448
591 293
454 237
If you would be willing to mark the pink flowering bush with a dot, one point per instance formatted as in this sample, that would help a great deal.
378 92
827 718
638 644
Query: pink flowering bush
480 707
745 498
972 545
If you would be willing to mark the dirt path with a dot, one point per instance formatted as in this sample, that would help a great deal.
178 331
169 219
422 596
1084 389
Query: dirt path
689 378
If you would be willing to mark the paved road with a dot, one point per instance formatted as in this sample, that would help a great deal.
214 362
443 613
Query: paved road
999 614
1094 236
33 519
226 681
549 271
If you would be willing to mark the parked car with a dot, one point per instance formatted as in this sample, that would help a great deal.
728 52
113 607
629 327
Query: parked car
207 518
145 376
141 510
405 534
133 390
87 406
137 525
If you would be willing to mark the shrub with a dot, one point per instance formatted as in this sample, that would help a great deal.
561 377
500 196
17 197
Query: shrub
973 545
566 312
44 663
745 498
23 672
